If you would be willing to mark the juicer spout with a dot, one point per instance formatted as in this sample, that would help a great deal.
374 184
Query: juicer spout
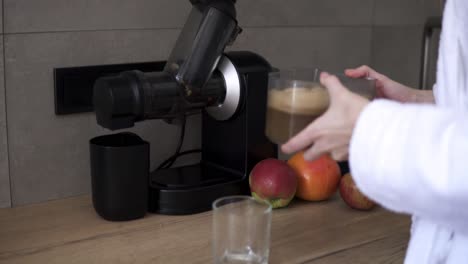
210 27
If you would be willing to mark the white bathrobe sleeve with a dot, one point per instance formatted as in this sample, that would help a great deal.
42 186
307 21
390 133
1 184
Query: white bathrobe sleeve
413 159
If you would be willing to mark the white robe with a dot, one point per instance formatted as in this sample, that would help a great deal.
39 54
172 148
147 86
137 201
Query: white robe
413 158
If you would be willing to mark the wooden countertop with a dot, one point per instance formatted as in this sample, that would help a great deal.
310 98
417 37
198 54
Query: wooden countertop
69 231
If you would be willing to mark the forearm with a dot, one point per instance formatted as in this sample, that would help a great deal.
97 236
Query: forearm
423 97
395 91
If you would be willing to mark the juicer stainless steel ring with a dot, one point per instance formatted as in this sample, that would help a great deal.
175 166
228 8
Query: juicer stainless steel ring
229 107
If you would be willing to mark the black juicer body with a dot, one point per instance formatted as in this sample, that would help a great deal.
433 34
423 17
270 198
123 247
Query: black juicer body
230 149
229 88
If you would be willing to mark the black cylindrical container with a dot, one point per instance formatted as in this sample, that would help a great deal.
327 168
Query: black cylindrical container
119 172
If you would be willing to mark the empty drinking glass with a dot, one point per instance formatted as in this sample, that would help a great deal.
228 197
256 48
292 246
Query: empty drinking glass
241 230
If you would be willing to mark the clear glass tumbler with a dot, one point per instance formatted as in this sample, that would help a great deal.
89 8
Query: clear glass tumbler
295 99
241 231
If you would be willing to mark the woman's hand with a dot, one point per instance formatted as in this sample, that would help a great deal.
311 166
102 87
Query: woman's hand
389 89
330 133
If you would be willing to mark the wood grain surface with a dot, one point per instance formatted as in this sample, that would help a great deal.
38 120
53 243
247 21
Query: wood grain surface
69 231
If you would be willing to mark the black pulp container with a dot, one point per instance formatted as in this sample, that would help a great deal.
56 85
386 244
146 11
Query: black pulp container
119 172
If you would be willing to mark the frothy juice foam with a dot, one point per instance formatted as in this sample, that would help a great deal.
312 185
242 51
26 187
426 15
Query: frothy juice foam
290 110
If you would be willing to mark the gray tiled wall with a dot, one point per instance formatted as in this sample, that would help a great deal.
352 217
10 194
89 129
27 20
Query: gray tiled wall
397 52
69 15
5 198
60 15
328 48
397 37
1 16
405 12
48 155
280 13
4 174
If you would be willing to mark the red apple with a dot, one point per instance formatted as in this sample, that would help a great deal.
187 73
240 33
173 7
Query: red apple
352 196
274 182
318 180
